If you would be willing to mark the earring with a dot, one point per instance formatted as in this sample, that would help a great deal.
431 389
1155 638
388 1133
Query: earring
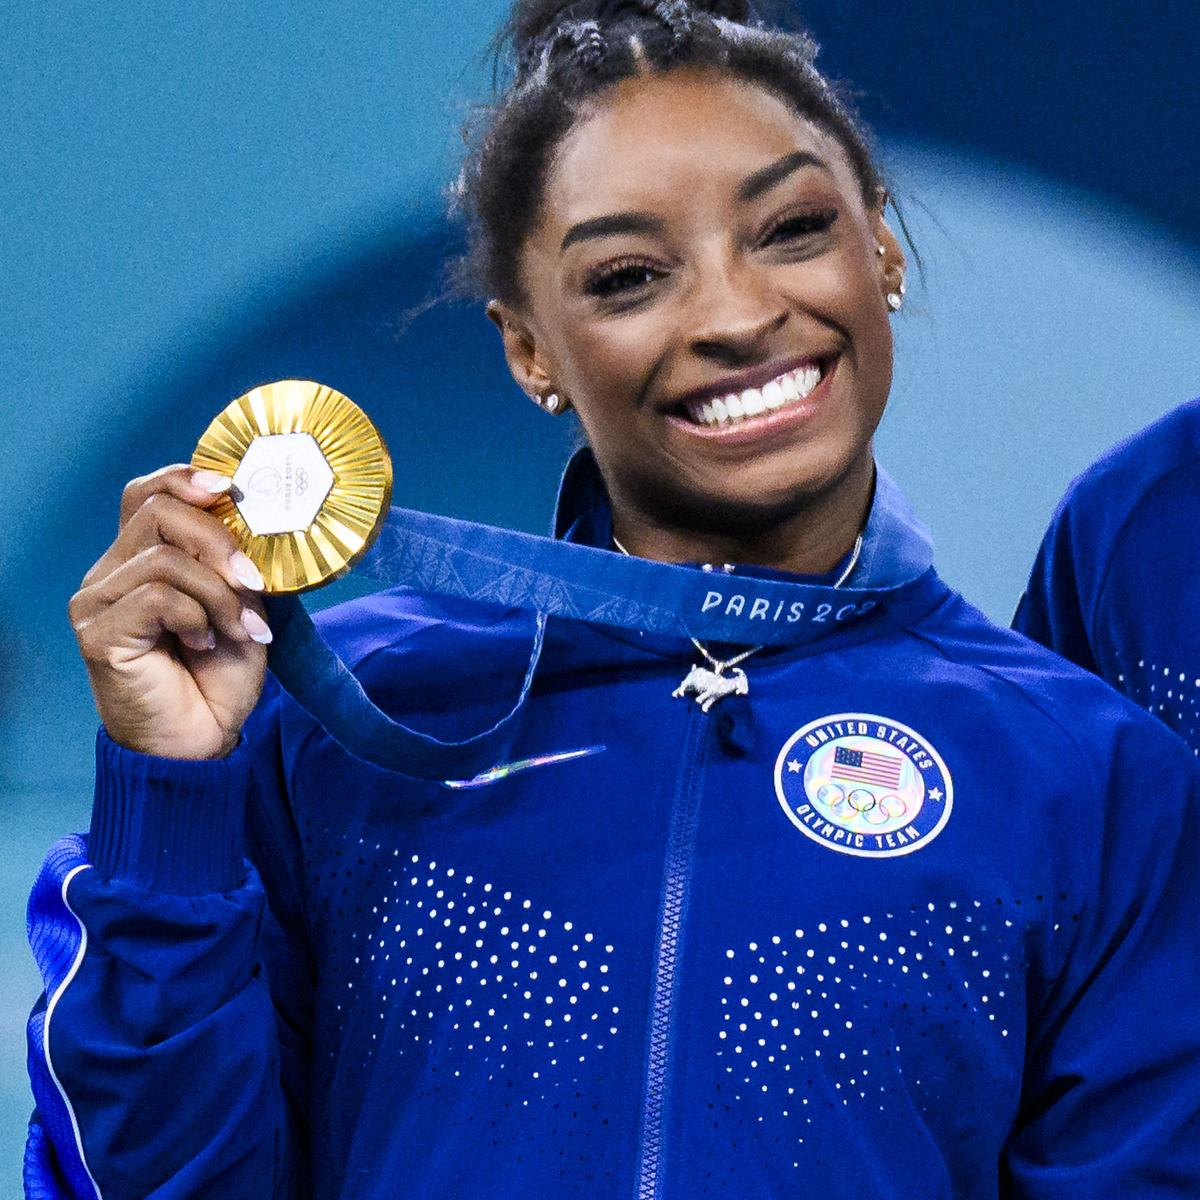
880 249
550 402
894 301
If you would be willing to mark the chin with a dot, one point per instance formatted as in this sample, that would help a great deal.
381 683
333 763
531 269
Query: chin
743 512
775 493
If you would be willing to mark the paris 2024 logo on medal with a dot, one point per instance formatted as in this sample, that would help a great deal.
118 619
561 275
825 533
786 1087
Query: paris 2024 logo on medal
865 785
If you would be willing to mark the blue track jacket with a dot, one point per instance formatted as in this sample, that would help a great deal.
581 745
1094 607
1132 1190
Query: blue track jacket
1116 585
916 917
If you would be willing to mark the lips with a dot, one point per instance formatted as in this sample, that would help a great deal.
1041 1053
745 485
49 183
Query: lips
736 407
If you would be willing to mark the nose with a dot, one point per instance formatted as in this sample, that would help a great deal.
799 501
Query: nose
735 314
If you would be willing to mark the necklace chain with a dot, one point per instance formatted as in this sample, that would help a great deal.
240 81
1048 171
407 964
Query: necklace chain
706 695
721 667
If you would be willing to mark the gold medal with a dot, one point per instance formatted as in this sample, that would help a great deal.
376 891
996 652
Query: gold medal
312 481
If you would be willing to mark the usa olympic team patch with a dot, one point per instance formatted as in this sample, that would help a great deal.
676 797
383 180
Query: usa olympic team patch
861 784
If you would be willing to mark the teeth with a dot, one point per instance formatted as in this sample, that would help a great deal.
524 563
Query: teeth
753 402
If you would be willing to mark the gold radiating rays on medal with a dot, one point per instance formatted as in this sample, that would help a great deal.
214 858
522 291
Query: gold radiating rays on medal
351 514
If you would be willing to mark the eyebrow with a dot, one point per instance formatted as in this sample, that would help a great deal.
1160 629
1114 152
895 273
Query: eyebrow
767 177
751 188
617 223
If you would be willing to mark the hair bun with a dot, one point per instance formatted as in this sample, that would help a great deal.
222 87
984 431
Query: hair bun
532 21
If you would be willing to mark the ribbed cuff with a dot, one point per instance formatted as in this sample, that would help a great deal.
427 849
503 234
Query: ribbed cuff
169 825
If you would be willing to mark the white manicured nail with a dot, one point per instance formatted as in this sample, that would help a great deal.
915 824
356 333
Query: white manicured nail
211 482
256 627
245 572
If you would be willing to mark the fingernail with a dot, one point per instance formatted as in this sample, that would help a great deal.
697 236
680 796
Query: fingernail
245 572
256 627
211 482
207 642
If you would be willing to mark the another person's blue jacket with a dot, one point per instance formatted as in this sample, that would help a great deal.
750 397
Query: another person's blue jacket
1116 584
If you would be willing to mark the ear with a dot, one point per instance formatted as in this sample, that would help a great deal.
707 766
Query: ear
891 263
526 361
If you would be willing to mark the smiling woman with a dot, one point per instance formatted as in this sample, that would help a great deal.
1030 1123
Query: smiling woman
704 289
794 877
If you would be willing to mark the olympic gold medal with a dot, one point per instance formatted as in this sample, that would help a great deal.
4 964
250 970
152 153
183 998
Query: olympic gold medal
312 480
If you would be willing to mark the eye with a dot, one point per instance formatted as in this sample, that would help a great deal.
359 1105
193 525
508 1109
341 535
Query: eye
620 277
799 225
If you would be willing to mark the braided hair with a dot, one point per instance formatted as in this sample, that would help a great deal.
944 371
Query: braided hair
561 54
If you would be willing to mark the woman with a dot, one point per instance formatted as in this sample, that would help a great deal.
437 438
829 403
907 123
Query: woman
893 910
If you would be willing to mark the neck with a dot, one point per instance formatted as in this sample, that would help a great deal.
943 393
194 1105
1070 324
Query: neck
811 540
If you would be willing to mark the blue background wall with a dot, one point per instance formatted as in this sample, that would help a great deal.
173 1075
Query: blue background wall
198 197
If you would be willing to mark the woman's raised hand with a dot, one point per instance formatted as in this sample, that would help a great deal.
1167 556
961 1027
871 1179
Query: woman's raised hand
168 623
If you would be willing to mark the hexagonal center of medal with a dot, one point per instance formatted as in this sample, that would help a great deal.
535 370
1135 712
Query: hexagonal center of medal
283 480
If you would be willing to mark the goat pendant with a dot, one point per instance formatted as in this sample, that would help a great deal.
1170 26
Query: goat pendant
710 686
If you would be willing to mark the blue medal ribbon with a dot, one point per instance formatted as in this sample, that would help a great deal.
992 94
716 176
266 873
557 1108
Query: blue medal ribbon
553 578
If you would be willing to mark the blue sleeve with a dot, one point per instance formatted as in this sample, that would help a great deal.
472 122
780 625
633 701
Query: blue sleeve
1056 607
1111 1090
162 1064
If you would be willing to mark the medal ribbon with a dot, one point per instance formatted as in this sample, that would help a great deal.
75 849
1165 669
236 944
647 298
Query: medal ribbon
553 578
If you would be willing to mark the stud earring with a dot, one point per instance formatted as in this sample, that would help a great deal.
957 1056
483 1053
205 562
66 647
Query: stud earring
880 249
550 402
894 300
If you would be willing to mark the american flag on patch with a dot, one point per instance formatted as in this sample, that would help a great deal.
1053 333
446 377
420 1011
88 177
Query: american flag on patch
865 766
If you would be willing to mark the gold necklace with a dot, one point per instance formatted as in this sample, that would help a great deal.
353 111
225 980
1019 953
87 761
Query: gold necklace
710 684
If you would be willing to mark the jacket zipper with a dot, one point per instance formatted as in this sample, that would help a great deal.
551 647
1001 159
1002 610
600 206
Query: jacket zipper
677 868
